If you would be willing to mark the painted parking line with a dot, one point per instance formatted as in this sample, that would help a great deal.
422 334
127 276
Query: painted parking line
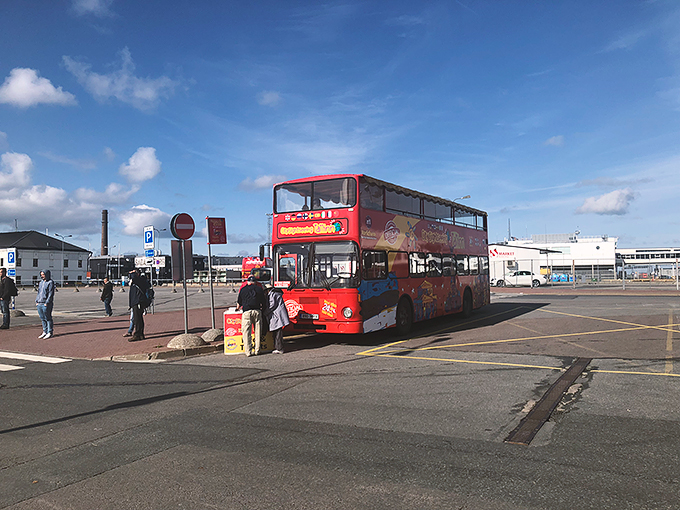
32 357
7 368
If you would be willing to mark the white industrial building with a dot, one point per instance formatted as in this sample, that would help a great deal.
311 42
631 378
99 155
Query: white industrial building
559 256
25 254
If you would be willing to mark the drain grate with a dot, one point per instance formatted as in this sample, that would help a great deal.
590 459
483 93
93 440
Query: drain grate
532 422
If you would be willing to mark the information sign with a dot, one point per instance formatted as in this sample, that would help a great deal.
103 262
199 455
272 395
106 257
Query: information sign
12 257
148 238
217 231
11 272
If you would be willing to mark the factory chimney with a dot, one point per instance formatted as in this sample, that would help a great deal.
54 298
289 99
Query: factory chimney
105 232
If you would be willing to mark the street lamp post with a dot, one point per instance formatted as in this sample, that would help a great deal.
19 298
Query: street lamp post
153 305
62 256
461 198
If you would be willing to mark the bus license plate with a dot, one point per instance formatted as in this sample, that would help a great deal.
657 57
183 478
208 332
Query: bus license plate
313 316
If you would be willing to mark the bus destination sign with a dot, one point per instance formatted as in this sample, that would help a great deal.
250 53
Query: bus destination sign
335 227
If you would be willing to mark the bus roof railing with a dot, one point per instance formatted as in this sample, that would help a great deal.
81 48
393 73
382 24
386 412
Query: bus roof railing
394 187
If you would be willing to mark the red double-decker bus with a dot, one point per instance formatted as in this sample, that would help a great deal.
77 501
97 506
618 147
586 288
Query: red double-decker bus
355 254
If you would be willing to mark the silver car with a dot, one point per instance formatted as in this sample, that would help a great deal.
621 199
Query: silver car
522 279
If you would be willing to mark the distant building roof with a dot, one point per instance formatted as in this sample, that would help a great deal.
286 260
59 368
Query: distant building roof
32 240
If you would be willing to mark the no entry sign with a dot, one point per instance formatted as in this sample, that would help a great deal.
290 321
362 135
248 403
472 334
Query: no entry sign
182 226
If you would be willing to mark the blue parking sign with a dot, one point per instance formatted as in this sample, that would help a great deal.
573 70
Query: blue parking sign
10 257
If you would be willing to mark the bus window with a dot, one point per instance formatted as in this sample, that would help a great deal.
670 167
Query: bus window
398 263
448 269
292 263
474 265
371 196
293 197
434 264
483 265
374 265
335 265
334 193
417 265
462 265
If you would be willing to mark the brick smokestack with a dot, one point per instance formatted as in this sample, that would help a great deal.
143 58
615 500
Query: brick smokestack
105 232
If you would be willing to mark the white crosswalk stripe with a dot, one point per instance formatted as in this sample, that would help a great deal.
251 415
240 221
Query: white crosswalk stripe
27 357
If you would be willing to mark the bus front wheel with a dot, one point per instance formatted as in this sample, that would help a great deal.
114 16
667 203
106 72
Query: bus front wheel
467 303
404 317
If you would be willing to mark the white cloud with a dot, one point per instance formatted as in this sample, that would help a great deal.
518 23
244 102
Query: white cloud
114 194
268 98
142 93
24 88
15 171
262 182
42 206
109 154
81 164
142 215
142 165
557 141
98 8
4 144
616 202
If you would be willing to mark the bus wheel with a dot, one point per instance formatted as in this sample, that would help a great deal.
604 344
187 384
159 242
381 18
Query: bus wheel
467 303
404 317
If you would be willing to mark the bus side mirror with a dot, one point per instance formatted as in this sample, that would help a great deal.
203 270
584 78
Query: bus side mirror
262 252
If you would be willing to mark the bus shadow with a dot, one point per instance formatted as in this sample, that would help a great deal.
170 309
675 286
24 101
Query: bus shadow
439 328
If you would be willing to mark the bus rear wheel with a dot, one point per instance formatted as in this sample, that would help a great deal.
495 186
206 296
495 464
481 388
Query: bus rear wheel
467 303
404 317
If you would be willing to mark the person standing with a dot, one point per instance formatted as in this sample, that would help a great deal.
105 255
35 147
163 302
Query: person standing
277 318
138 303
7 291
45 302
252 301
107 296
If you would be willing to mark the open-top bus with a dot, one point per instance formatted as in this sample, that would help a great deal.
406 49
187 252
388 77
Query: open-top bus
355 254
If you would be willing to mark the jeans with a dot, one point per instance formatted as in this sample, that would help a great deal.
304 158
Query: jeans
107 306
4 306
248 319
45 313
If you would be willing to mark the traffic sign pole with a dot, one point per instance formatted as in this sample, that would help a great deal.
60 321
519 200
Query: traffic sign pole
184 285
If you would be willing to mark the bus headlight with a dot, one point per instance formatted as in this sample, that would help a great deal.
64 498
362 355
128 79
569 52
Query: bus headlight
347 312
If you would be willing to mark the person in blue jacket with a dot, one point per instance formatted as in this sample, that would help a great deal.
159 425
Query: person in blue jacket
45 302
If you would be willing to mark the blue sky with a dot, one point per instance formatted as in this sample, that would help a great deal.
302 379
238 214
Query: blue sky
556 116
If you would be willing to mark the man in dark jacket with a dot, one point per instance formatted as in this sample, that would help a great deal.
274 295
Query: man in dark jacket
107 296
138 303
252 301
7 291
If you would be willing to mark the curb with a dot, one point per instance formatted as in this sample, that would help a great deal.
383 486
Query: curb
167 355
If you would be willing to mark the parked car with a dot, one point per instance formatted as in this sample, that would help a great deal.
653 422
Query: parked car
521 279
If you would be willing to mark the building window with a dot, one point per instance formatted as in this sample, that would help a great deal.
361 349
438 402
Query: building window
65 278
18 280
80 278
18 262
35 280
65 262
35 262
80 263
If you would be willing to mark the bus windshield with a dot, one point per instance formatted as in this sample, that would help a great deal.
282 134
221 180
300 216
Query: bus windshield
313 196
318 265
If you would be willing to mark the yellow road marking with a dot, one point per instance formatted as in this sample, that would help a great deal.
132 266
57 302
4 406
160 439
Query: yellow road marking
669 344
452 328
664 374
644 326
472 362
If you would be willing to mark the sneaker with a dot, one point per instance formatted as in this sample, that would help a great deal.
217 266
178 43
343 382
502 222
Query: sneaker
128 334
43 335
48 335
276 351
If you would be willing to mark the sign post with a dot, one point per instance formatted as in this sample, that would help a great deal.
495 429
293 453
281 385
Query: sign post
217 234
182 227
149 251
